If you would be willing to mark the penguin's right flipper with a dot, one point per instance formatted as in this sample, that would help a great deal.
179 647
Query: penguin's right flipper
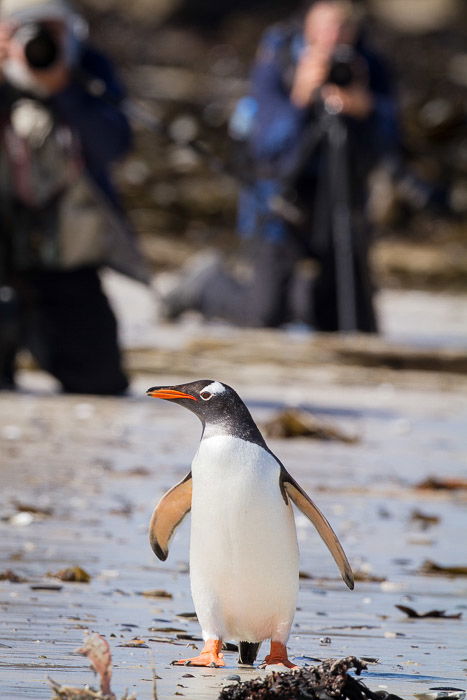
169 513
313 513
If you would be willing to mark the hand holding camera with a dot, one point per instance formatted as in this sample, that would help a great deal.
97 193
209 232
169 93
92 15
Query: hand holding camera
310 74
336 78
355 100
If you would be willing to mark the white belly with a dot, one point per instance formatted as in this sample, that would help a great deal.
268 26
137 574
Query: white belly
243 553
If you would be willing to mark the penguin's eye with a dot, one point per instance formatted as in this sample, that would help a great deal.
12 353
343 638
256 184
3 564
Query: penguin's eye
206 395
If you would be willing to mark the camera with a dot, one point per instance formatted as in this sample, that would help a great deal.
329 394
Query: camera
40 46
342 67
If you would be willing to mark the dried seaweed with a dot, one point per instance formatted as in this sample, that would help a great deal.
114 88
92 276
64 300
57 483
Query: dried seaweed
188 615
155 593
9 575
30 508
66 692
292 424
435 483
365 577
431 567
97 650
72 573
328 681
424 520
410 612
135 643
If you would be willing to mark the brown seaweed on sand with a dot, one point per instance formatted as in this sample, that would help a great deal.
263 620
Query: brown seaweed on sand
97 650
9 575
30 508
431 567
293 424
72 573
328 681
424 520
435 483
410 612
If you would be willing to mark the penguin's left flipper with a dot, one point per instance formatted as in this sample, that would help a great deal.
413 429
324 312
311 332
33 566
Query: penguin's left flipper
290 487
169 513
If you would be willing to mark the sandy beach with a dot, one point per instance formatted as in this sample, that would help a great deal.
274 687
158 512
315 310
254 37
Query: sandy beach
93 468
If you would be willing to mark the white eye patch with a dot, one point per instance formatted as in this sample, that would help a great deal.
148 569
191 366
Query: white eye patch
214 388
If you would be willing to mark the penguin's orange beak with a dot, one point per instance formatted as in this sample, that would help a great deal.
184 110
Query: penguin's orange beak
169 394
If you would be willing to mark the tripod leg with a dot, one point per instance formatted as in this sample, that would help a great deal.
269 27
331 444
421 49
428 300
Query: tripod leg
341 226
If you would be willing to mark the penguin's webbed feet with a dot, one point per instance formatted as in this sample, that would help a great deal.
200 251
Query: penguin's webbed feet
211 656
278 657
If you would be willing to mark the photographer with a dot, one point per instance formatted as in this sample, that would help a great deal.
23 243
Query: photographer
61 128
319 115
325 114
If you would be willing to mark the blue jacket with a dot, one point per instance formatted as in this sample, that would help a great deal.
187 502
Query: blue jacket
278 127
102 127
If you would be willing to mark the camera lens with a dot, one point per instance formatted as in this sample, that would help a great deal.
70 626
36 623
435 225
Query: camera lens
341 71
40 48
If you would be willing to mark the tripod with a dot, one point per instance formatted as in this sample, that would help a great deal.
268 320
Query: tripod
341 223
330 130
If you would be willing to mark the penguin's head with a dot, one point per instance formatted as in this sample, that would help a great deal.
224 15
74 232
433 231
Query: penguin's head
217 405
207 398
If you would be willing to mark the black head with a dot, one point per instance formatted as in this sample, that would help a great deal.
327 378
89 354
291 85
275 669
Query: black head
217 405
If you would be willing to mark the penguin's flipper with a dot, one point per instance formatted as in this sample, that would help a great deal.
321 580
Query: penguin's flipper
169 513
313 513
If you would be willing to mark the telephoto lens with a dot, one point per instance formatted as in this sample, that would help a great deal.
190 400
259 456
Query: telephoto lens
341 71
40 47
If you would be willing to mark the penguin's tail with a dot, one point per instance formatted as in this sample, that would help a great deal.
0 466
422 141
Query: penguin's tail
248 652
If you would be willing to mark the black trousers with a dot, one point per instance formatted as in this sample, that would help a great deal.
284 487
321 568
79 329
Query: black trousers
65 320
267 301
261 302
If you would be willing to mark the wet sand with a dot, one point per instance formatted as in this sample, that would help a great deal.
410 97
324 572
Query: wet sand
101 464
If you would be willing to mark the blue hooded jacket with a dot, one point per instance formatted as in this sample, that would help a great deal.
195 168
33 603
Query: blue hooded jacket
278 127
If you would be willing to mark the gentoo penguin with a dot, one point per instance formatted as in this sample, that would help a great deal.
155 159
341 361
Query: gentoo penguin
243 551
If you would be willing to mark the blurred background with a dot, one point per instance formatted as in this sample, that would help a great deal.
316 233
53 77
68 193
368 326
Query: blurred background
187 61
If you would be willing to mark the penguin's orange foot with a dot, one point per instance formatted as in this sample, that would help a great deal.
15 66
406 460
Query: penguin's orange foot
210 656
278 657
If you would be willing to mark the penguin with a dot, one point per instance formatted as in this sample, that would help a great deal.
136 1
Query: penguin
244 560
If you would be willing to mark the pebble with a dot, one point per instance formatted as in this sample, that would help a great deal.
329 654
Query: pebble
22 519
84 411
325 640
11 432
389 586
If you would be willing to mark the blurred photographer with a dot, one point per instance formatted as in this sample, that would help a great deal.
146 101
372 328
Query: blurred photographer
325 114
61 128
319 115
